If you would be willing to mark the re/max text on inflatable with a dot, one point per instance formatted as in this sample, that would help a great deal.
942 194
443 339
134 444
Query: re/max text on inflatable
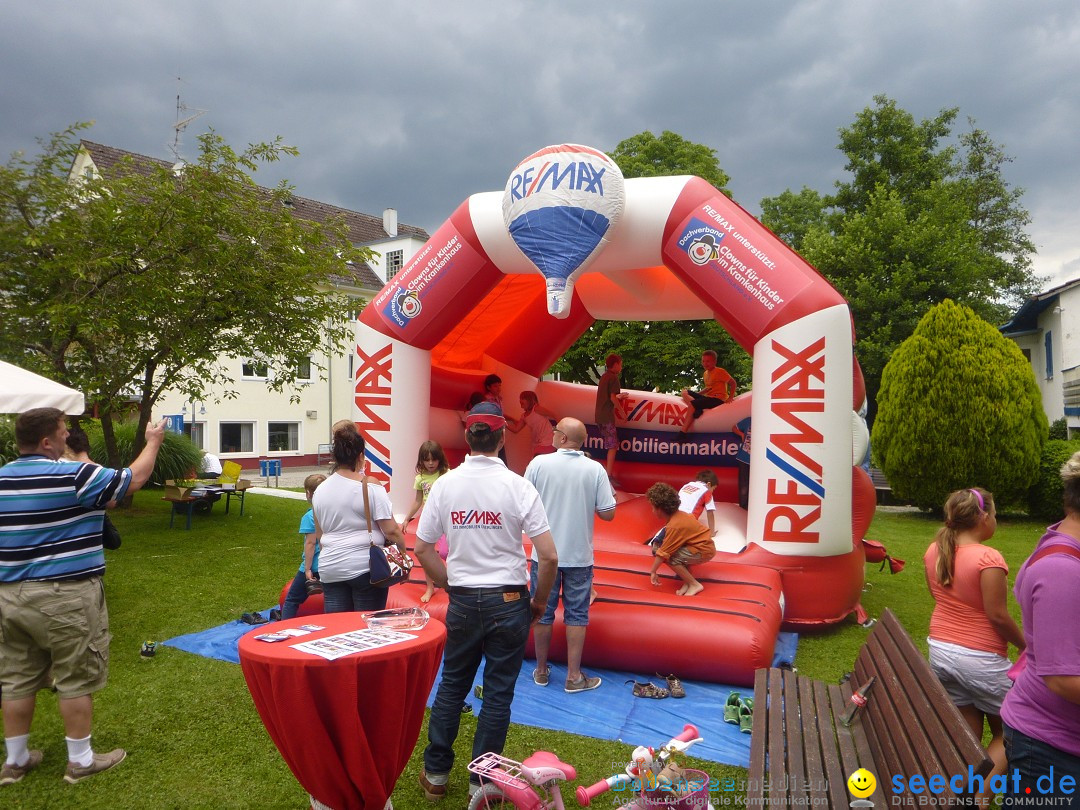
513 278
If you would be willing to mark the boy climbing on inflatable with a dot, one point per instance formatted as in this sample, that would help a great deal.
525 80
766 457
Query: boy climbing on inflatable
686 541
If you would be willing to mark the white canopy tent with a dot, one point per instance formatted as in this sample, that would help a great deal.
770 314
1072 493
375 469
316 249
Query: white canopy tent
21 390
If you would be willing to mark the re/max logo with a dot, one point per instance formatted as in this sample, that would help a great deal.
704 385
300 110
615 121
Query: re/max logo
578 175
475 517
798 388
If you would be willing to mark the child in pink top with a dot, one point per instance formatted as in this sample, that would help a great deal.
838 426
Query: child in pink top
971 627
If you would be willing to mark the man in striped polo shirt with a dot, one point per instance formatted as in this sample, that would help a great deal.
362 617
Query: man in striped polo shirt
54 625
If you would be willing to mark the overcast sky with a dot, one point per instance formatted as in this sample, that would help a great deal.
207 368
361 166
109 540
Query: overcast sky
415 105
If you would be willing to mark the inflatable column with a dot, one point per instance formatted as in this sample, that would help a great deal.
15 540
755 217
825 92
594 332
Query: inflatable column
391 395
800 484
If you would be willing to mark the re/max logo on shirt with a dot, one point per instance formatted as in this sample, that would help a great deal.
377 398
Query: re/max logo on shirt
476 517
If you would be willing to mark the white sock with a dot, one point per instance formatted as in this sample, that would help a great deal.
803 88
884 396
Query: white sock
17 752
79 751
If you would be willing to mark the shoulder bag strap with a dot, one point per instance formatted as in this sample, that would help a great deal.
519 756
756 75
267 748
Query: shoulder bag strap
1060 548
367 512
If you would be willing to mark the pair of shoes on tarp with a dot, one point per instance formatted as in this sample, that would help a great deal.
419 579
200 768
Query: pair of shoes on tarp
646 689
253 618
739 711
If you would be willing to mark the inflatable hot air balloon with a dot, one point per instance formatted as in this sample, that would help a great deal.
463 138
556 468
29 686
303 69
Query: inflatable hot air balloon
561 205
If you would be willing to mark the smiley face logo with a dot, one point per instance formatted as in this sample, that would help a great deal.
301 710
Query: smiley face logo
861 783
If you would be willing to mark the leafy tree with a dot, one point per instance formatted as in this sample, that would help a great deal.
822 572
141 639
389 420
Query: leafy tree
923 217
645 155
959 407
1046 495
665 355
145 280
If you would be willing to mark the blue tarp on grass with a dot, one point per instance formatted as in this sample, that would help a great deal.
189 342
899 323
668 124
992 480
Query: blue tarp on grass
610 712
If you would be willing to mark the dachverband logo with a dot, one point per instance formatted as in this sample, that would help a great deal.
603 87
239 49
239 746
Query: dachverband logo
701 242
795 486
476 519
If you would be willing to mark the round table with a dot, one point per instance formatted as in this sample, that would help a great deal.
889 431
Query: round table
347 727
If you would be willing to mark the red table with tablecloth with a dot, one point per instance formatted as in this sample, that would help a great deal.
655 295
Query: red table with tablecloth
346 727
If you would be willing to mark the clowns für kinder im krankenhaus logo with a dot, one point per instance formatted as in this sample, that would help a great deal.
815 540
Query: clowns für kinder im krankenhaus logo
408 304
704 248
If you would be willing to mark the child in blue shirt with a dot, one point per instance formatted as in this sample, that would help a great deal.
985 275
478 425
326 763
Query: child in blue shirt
298 590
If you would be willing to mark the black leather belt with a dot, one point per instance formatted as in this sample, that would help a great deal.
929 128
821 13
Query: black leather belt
498 591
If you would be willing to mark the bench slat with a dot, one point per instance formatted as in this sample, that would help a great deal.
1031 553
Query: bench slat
834 768
817 779
755 782
778 736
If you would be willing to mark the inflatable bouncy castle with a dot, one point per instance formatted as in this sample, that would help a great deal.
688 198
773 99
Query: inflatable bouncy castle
513 278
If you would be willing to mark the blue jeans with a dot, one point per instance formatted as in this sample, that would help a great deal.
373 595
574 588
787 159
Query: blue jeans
1034 760
575 585
296 595
353 594
486 625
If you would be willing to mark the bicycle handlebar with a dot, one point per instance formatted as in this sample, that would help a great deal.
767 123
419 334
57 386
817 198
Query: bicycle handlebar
684 740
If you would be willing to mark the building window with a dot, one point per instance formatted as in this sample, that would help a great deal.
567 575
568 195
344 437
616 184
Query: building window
237 437
352 366
394 260
303 370
253 370
196 431
282 437
1049 347
1027 354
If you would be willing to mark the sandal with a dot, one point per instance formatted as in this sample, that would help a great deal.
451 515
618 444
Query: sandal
649 690
731 708
674 685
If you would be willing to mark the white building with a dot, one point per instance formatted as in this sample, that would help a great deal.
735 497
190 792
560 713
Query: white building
260 424
1047 330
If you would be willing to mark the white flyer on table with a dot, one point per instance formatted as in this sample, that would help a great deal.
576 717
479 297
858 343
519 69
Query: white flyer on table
352 642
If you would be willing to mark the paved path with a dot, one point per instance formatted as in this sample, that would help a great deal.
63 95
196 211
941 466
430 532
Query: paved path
281 486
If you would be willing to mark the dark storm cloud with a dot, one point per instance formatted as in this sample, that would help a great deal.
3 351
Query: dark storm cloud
418 105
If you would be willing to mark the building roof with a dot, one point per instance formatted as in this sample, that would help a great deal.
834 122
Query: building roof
1026 318
363 229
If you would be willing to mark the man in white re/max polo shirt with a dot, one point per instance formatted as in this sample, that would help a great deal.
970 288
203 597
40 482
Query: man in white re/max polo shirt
573 488
483 509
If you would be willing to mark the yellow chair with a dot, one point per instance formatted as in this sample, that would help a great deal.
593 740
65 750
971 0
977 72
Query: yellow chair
230 472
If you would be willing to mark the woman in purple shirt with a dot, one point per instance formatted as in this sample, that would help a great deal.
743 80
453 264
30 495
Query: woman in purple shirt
1042 710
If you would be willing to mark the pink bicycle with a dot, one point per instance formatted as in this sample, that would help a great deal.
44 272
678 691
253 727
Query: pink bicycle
535 783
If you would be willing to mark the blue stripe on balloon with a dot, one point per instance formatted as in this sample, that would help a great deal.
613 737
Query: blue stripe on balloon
558 239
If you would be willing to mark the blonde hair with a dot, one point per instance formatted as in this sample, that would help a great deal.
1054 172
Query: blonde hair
963 511
311 483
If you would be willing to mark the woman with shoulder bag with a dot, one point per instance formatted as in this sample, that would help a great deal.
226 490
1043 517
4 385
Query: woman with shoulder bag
1042 710
346 537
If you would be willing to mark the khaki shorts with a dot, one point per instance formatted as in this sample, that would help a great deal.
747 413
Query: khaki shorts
53 630
684 556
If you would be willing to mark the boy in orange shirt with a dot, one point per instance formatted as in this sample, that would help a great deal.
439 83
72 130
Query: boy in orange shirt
686 541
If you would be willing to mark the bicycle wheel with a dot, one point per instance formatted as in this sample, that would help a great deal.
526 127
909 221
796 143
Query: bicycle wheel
489 797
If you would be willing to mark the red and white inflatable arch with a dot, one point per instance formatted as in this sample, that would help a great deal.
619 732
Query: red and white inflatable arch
473 302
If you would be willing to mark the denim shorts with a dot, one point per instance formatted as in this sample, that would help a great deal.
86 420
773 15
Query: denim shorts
1033 761
971 677
576 587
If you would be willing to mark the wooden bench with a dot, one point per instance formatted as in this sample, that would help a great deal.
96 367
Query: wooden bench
802 755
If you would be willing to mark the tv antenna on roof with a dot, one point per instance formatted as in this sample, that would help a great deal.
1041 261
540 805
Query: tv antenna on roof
181 123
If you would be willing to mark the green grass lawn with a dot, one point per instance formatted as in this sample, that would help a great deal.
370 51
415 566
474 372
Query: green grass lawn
193 737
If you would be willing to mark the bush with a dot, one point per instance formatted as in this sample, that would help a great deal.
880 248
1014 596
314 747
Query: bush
177 457
8 450
958 407
1044 497
1059 429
